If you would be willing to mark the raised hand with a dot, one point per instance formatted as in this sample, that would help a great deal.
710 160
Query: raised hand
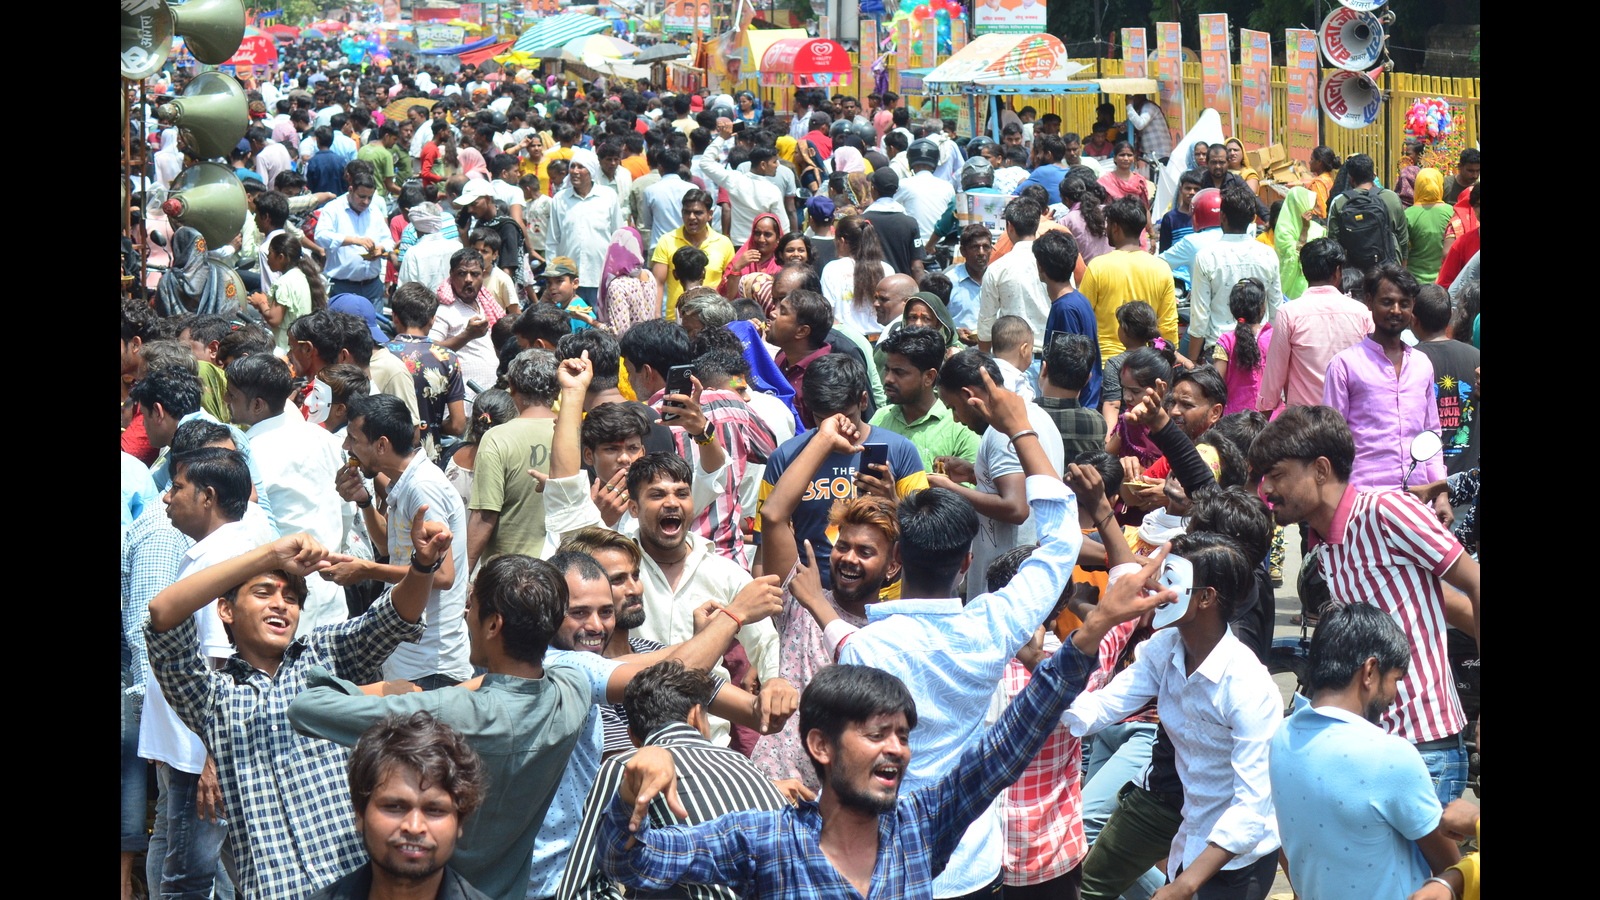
430 541
648 774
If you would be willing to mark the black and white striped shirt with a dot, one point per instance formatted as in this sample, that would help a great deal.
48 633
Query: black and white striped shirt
712 781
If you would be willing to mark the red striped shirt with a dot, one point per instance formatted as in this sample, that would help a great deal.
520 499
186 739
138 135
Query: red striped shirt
1387 549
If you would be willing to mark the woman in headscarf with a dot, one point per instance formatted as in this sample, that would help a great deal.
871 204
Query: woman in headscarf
849 159
757 286
749 109
759 254
196 283
1295 227
627 289
1426 220
169 159
1238 166
473 164
808 172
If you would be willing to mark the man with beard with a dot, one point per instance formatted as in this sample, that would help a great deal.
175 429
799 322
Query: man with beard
856 721
912 357
413 781
862 562
1398 835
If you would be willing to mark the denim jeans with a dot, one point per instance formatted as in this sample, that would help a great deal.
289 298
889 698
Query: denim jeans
1117 755
185 855
1448 769
135 778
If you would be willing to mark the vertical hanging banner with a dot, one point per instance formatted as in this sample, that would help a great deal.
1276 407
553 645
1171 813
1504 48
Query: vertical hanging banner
1216 68
902 51
958 37
930 44
867 55
1255 89
1303 115
1134 54
1169 74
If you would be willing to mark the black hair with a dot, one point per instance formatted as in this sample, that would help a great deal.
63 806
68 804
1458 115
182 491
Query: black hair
813 309
1023 215
347 381
206 329
243 341
542 321
793 236
936 531
843 695
653 467
1241 427
413 305
1349 635
1219 564
699 197
1146 364
1326 156
964 369
137 317
1069 360
1231 464
490 408
274 206
922 347
611 423
937 284
322 331
1359 167
1305 433
466 255
689 263
354 337
1090 197
1004 567
224 471
1320 258
1110 468
1238 208
1128 214
532 375
1247 303
663 695
420 743
834 384
656 343
1395 274
746 310
175 389
197 433
716 366
261 376
1211 385
603 355
384 416
1190 176
530 596
1236 512
1056 253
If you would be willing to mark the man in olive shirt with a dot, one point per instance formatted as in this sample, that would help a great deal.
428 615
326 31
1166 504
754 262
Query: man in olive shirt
506 512
912 358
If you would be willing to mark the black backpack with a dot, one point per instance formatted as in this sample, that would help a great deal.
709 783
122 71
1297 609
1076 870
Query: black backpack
1364 230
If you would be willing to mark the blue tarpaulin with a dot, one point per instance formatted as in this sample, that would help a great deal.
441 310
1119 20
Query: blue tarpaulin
460 49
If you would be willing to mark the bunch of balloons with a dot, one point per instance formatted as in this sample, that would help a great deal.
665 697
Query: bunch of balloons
1429 117
941 11
356 46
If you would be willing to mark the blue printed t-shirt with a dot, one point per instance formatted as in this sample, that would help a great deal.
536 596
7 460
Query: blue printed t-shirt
836 480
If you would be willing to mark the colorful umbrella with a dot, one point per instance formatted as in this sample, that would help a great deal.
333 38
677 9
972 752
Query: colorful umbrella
327 25
283 32
596 45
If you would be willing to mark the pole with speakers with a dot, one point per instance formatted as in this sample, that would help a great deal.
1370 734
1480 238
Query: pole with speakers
1353 38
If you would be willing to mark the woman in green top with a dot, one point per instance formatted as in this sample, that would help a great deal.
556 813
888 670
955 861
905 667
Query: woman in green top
1294 228
1426 219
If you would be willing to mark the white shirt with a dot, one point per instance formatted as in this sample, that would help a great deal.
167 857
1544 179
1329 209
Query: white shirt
272 159
1221 720
338 222
342 145
1219 267
478 360
298 462
443 649
996 459
669 613
581 228
1011 287
839 286
772 411
925 196
750 196
428 260
162 735
1014 379
621 184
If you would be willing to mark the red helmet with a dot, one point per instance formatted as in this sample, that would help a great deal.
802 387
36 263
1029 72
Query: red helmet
1207 209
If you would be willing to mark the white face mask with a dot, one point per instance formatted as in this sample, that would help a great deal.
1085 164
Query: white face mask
1177 574
318 402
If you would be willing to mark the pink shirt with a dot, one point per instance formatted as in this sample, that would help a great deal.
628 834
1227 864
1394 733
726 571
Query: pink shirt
1307 334
1385 409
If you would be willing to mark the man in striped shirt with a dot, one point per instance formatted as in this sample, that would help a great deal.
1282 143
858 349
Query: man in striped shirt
667 706
1387 549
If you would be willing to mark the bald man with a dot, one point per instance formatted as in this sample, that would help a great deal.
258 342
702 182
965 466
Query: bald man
889 299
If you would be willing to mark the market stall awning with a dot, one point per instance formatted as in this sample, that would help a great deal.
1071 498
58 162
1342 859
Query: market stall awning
1003 57
483 54
552 32
806 62
762 39
459 49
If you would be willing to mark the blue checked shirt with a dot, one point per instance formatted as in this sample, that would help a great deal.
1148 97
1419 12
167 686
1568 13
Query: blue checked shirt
287 796
152 552
775 855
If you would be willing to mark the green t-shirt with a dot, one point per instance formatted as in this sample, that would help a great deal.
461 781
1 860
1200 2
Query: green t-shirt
935 434
501 484
382 163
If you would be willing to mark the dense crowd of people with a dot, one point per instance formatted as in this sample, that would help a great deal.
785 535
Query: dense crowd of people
563 490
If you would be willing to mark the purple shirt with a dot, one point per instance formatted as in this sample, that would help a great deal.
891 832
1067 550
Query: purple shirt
1385 412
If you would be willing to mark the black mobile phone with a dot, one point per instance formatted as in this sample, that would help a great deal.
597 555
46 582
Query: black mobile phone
677 383
874 455
738 127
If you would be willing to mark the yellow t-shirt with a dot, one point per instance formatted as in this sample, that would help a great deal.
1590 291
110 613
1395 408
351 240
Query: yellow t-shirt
718 250
1115 278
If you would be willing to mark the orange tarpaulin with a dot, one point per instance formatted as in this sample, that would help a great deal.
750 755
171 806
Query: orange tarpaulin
478 56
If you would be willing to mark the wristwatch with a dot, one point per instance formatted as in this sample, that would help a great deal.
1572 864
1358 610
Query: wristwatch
425 568
708 437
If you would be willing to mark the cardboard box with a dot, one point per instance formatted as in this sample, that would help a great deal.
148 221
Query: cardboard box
1265 158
